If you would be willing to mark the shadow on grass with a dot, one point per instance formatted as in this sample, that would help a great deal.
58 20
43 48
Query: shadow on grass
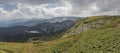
6 50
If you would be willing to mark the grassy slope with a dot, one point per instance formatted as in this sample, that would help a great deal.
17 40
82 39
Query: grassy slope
97 40
17 48
103 39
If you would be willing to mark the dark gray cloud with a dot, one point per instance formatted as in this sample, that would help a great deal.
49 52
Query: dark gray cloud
35 2
102 5
108 5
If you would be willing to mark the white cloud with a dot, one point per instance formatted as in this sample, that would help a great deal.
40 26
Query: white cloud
3 14
35 11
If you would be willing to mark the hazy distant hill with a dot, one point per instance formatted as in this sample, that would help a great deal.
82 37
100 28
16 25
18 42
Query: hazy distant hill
22 31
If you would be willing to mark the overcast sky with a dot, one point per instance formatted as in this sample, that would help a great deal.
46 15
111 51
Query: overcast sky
15 9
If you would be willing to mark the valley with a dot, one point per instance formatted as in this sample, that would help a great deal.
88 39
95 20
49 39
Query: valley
42 29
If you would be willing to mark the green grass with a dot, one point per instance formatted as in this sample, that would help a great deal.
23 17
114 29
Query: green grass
17 48
1 51
101 41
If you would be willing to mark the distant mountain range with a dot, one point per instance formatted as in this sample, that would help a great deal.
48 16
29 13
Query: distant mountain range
20 30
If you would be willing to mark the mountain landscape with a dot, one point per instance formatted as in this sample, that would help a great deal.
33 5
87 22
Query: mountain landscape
95 34
44 29
59 26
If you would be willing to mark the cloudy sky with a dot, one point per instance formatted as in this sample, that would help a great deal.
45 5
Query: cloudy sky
14 9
